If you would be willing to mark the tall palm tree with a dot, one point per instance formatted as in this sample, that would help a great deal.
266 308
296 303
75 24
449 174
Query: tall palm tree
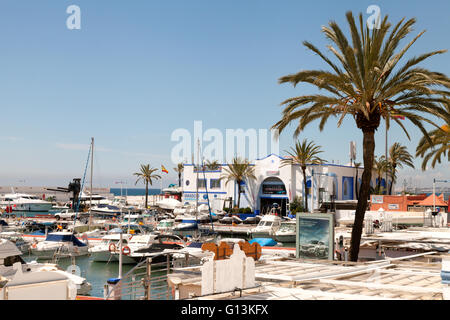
439 146
380 166
357 166
147 175
368 84
398 156
179 169
239 171
303 154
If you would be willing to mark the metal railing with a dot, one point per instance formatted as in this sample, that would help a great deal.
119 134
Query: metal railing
146 281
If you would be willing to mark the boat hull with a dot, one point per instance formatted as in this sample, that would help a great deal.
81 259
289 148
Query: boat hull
33 207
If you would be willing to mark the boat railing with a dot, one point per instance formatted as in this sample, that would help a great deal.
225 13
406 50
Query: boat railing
146 281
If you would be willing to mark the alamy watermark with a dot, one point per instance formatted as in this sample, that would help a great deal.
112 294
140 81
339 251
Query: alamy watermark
74 20
212 144
374 21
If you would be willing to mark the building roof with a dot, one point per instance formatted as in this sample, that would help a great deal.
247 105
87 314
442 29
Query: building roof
429 201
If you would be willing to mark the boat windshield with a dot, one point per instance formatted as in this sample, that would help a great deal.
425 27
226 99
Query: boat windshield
287 227
265 224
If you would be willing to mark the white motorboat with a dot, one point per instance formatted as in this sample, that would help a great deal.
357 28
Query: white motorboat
169 203
108 244
267 227
287 232
134 243
106 209
16 270
63 244
24 202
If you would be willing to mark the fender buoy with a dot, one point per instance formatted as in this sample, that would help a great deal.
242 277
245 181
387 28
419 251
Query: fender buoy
112 247
126 250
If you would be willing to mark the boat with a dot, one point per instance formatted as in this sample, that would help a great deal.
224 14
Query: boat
168 204
24 202
287 232
63 244
134 243
267 227
16 271
165 225
102 251
106 209
175 251
17 239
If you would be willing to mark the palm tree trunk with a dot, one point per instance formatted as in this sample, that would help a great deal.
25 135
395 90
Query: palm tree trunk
179 179
305 187
146 194
239 194
368 155
392 179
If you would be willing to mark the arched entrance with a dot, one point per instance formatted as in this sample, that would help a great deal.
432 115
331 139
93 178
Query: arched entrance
273 191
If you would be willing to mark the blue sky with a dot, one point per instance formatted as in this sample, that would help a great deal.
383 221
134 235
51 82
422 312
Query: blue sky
138 70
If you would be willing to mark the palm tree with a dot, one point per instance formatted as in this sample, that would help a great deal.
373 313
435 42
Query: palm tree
398 156
147 176
303 154
179 169
439 146
357 166
367 84
212 165
239 171
380 166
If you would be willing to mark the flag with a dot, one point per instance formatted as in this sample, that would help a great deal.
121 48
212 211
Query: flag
164 169
398 117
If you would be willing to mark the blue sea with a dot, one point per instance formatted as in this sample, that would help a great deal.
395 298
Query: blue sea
134 191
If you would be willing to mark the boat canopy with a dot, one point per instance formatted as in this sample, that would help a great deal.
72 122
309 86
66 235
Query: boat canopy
64 237
8 249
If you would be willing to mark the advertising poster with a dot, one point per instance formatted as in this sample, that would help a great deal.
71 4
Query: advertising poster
315 236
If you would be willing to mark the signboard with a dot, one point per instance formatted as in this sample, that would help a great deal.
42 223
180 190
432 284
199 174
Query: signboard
273 189
377 199
272 172
315 236
393 206
190 196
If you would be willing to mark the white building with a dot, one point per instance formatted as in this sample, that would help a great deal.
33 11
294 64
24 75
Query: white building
274 184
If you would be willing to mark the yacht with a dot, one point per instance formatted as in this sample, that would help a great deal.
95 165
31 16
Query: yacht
106 209
267 227
287 232
133 244
24 202
108 244
64 244
20 273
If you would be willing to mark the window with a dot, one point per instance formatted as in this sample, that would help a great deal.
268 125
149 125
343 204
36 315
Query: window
214 184
201 183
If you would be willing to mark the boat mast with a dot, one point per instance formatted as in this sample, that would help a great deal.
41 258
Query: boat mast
198 168
92 171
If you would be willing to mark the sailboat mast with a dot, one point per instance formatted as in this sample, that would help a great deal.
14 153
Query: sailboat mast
198 168
92 174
